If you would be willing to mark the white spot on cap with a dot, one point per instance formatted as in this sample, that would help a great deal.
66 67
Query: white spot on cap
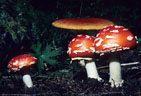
16 62
109 37
136 39
34 58
126 48
97 35
73 40
130 38
69 51
21 66
99 41
119 49
125 29
87 36
118 26
79 45
104 29
114 31
93 49
77 40
21 63
110 45
9 66
80 51
79 35
33 62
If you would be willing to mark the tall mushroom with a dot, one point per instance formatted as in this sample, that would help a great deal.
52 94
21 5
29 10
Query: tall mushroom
20 62
112 40
82 48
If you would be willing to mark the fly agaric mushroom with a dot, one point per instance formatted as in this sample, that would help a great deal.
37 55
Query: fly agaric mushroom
20 62
82 48
82 23
111 40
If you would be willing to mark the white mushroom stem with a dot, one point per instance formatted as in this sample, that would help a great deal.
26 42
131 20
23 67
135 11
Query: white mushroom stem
92 70
27 81
115 74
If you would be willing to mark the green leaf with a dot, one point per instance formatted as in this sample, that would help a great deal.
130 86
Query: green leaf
36 48
44 55
51 61
47 49
40 64
50 53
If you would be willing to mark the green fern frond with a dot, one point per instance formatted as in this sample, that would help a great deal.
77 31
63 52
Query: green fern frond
40 64
47 49
51 61
37 48
50 53
44 55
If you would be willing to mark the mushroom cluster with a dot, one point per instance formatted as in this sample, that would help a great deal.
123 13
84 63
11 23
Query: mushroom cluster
82 46
111 40
23 61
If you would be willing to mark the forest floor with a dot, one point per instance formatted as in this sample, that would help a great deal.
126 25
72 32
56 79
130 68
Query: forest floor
75 85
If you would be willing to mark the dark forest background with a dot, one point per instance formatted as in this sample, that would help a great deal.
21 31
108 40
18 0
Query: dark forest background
26 28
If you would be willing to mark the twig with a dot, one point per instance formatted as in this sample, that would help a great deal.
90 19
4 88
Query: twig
128 64
123 64
85 91
81 7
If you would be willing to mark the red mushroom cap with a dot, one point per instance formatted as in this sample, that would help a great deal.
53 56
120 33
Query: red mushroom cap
114 38
21 61
81 46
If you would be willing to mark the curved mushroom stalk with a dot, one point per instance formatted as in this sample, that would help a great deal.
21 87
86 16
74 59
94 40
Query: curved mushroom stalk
115 74
91 69
28 81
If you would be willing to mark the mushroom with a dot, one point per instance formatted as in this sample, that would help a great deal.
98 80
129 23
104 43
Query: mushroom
111 41
20 62
86 23
82 48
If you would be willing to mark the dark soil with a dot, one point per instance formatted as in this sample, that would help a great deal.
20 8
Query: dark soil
75 85
66 86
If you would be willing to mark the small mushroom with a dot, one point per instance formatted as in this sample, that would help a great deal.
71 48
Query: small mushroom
20 62
111 41
82 48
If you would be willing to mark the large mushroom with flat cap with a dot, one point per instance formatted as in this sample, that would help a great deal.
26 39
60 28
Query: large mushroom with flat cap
111 41
82 23
23 62
82 48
